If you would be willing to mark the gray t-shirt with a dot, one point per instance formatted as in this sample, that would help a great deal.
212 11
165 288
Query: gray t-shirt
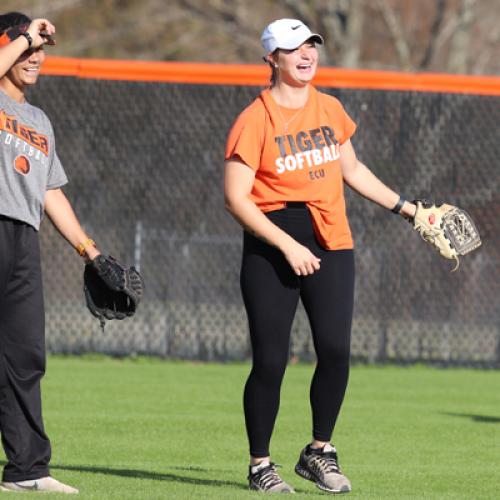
29 165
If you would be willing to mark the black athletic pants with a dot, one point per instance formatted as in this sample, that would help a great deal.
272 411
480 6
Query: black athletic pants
22 353
271 292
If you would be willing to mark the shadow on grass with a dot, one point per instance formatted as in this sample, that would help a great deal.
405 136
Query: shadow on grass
485 419
159 476
155 476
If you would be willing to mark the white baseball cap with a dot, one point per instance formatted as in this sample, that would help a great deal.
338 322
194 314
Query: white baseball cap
287 34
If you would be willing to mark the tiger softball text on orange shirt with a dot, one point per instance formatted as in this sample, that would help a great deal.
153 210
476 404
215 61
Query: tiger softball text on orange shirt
295 154
307 149
30 136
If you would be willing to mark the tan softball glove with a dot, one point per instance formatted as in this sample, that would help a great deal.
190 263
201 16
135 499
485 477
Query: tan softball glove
449 229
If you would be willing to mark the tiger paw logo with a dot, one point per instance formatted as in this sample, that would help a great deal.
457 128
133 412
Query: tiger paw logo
22 165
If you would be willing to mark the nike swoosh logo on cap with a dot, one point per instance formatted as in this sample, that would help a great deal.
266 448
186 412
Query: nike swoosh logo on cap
296 27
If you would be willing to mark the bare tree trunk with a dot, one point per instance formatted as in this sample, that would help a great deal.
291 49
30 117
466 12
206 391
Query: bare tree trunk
437 24
458 60
331 20
301 10
341 23
485 57
396 30
351 48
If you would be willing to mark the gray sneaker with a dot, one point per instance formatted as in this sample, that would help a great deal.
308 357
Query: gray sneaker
263 477
43 484
321 466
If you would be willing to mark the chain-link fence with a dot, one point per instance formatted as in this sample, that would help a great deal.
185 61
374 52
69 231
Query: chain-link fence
145 162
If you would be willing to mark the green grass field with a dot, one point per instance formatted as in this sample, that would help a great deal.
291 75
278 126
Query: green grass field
153 429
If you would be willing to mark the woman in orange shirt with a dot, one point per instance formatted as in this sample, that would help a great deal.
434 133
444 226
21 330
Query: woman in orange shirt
288 155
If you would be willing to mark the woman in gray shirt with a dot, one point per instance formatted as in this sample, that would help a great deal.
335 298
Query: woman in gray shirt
31 177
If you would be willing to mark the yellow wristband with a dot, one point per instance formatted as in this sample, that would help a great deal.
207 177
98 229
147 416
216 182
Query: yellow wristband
81 247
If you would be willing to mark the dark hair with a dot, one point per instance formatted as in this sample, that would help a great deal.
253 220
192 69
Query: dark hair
12 19
274 70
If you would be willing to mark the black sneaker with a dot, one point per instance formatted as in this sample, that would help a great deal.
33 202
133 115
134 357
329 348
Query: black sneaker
321 466
263 477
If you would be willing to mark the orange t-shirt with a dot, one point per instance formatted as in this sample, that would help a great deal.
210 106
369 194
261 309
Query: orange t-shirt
295 155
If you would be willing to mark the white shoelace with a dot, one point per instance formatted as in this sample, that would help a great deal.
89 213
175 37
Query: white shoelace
325 463
267 476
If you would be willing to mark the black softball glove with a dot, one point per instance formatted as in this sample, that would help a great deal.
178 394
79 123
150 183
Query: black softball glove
112 291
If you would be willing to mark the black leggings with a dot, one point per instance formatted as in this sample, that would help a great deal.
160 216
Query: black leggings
271 292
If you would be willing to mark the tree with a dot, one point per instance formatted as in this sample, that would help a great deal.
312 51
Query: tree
458 36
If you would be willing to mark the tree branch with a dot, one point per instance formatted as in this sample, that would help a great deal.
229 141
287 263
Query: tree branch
458 59
394 25
434 32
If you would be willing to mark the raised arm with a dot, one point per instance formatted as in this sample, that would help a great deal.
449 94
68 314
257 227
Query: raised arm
60 212
11 52
238 183
360 178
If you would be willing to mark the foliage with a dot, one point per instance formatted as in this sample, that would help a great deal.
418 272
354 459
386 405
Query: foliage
459 36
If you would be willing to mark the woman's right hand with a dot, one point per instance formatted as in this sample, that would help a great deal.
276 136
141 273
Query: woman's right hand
44 26
301 259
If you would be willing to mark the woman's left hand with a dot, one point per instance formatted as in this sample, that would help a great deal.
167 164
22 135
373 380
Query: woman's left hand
301 259
42 32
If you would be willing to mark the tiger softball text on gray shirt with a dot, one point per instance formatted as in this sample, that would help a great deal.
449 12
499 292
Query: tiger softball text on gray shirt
29 165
